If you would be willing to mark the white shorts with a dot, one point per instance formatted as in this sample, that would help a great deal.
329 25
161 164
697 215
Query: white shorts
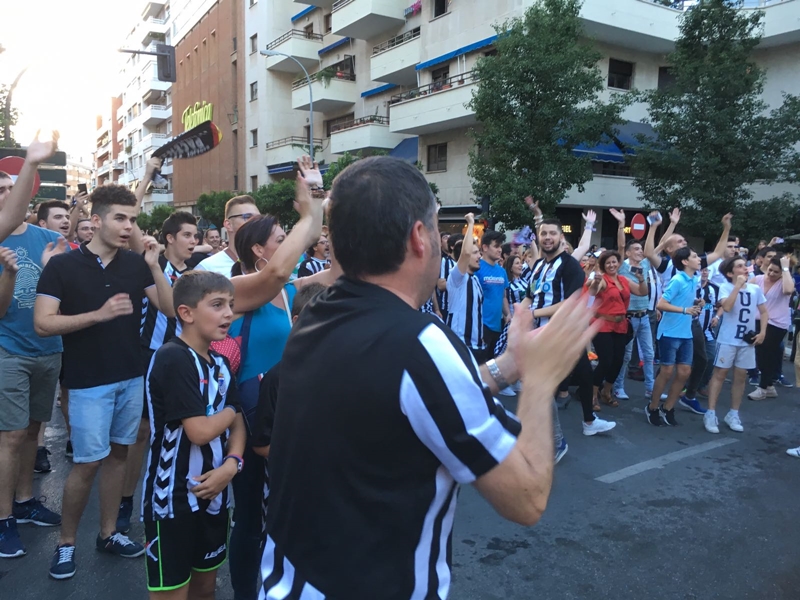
742 357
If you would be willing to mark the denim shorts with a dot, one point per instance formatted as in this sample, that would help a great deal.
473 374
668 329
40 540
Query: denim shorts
675 351
104 415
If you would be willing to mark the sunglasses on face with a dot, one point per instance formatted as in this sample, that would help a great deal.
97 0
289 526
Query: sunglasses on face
245 216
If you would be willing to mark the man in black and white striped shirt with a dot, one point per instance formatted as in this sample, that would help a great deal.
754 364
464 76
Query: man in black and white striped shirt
465 313
448 264
318 258
398 410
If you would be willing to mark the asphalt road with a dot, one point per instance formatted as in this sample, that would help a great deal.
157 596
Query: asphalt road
644 512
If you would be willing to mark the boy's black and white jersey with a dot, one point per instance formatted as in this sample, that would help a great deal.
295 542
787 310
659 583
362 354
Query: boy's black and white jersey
447 265
311 266
158 328
553 282
465 311
181 384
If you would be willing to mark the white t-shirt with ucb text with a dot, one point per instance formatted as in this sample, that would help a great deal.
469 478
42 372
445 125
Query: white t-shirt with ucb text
737 322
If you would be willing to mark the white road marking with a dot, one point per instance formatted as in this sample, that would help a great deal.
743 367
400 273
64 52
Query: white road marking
657 463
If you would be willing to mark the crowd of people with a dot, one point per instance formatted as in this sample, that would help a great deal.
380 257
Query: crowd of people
302 398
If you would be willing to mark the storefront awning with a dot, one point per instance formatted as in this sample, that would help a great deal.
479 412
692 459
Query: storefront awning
288 167
625 136
406 150
603 152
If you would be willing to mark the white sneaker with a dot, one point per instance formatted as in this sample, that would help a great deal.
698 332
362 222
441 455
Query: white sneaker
772 392
793 452
758 394
710 422
598 426
734 422
507 392
620 394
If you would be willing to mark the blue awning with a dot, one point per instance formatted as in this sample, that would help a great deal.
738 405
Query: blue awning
451 55
602 152
626 135
303 13
406 150
333 46
378 90
288 167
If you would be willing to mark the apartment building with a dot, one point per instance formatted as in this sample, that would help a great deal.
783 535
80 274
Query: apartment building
107 166
395 75
79 170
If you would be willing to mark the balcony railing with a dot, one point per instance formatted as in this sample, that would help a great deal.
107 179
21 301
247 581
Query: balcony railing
396 41
155 21
340 75
436 86
294 33
676 4
371 119
340 4
295 140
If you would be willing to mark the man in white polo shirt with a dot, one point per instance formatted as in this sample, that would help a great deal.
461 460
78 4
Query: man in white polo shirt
238 211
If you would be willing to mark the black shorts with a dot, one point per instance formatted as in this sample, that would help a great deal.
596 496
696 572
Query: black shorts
176 547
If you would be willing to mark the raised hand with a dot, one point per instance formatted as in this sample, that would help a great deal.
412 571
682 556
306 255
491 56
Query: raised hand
310 171
590 216
116 306
675 215
470 219
533 205
726 220
619 215
741 280
655 217
8 260
52 249
785 262
306 203
151 251
41 150
153 165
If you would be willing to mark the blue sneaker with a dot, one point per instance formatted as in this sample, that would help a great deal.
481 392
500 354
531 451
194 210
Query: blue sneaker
784 382
755 380
62 565
34 511
120 545
124 516
692 405
561 450
10 544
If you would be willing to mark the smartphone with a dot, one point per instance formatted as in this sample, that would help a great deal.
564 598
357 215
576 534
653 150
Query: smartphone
636 270
82 188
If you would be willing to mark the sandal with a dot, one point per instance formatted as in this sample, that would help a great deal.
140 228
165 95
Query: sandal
595 405
608 399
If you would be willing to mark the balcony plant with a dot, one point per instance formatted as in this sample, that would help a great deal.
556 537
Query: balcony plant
325 76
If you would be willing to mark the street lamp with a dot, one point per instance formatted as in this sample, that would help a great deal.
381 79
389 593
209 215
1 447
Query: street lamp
269 52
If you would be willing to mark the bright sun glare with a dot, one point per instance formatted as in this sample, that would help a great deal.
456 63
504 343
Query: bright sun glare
69 49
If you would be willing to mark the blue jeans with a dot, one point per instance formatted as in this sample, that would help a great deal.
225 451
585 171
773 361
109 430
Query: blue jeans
676 351
643 335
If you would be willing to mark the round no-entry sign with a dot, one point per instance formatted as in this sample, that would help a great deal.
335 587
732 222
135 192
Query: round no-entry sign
13 165
638 226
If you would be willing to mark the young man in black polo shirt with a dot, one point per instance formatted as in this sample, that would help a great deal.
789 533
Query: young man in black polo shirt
92 297
400 407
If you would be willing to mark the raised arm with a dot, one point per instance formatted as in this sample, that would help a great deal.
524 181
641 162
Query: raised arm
649 242
467 245
786 275
586 237
256 289
728 303
619 215
722 243
674 219
13 212
76 212
161 296
136 242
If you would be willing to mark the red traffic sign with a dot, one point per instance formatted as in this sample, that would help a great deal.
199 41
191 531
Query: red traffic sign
13 165
638 226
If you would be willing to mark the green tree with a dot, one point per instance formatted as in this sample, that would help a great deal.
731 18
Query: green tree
715 135
344 161
152 222
537 100
10 143
211 206
277 199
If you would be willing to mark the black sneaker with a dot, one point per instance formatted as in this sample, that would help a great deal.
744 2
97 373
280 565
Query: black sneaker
668 416
34 511
124 516
120 545
62 565
42 464
68 451
652 416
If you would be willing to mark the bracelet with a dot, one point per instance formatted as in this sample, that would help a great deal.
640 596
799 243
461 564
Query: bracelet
589 228
494 371
239 460
684 311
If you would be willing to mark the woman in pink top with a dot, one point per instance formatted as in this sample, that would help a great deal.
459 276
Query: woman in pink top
778 287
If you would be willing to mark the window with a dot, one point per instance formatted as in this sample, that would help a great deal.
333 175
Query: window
253 91
337 121
235 183
613 169
253 183
309 29
328 23
437 157
620 74
440 74
665 77
234 44
492 52
253 138
254 43
439 8
252 2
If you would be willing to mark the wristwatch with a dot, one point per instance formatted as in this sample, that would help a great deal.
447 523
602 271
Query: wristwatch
785 268
239 461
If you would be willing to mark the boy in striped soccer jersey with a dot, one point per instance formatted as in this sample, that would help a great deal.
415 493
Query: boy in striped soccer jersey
198 437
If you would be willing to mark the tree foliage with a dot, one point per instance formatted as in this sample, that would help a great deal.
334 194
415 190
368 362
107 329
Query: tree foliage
536 101
211 206
9 143
152 222
277 199
344 161
715 134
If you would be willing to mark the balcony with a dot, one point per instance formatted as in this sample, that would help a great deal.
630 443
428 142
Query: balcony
781 21
153 30
286 150
104 168
298 44
366 19
156 198
337 93
104 150
118 166
438 106
366 133
152 8
637 24
154 90
318 3
394 60
155 114
150 142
